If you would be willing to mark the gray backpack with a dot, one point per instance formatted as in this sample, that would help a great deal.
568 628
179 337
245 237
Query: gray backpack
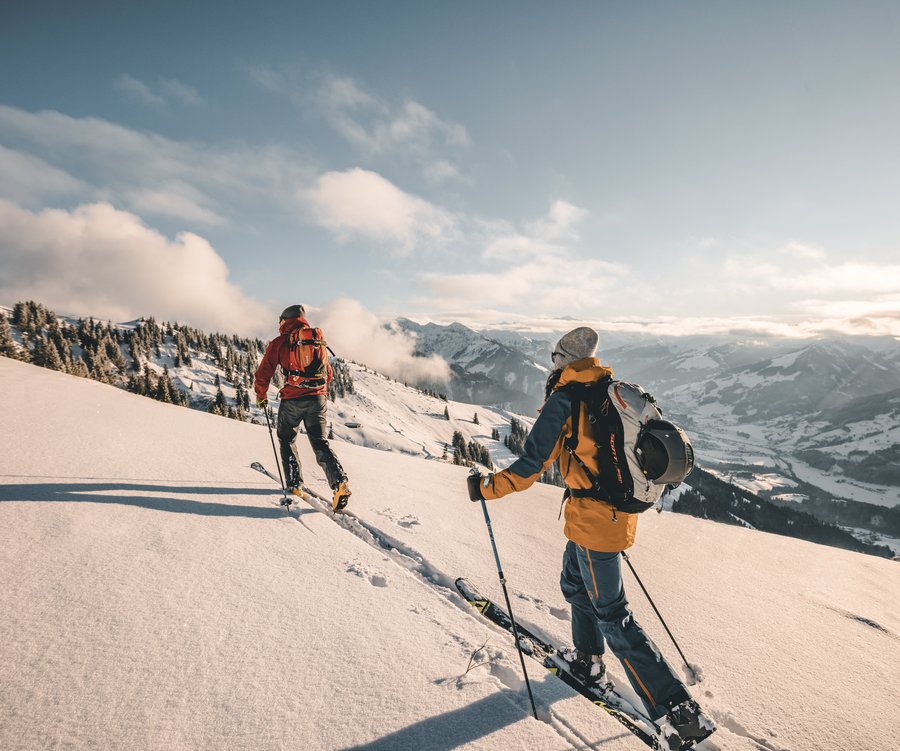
638 452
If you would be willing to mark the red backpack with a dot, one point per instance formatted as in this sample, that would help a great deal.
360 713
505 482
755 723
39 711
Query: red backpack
308 358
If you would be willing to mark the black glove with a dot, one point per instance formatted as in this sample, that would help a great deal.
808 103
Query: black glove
474 482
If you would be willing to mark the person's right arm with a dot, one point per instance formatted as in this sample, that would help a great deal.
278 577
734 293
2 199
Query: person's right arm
542 447
266 370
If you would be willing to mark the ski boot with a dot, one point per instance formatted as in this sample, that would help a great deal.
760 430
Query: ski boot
684 726
293 480
341 496
587 668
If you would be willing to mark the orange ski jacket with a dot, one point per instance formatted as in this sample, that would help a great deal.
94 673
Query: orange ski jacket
590 523
278 352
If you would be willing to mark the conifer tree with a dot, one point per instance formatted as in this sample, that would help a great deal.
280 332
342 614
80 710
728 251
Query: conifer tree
7 343
46 355
164 388
221 403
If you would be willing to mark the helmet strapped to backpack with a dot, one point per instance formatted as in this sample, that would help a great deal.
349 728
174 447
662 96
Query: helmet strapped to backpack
665 453
638 453
308 358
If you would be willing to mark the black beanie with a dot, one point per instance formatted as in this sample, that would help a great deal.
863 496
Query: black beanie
292 311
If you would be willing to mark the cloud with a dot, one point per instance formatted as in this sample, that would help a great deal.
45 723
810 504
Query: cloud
356 334
152 174
138 90
175 199
360 203
560 222
97 260
548 235
797 269
378 128
165 92
539 270
550 286
26 179
440 170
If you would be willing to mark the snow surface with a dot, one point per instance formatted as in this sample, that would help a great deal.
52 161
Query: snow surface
153 596
388 415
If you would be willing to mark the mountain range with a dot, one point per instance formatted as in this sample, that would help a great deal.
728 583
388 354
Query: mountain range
830 451
814 423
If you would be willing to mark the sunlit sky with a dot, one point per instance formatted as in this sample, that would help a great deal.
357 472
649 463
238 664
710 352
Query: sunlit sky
681 167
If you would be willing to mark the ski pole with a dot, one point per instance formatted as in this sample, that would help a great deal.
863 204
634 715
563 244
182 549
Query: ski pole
661 619
286 501
515 628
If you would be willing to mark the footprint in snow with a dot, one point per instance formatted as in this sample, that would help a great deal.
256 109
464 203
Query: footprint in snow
406 521
376 579
560 613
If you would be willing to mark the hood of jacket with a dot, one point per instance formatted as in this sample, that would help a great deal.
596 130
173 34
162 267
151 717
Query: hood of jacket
586 370
289 324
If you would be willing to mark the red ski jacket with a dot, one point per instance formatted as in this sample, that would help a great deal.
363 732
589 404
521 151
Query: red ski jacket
278 353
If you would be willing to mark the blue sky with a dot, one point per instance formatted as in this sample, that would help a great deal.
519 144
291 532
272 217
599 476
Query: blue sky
671 167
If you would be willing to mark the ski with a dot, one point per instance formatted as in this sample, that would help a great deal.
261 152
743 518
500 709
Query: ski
286 502
545 653
314 499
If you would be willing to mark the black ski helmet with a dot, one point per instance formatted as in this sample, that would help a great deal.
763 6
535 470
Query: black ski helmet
292 311
665 453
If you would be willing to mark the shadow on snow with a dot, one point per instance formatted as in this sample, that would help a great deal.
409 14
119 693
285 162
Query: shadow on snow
479 719
133 494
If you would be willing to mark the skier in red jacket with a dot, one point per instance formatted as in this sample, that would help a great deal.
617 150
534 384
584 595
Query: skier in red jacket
300 351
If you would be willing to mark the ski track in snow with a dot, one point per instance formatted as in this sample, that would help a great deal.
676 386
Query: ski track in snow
443 584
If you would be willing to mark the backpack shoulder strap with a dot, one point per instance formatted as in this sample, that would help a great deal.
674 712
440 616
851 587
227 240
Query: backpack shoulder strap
581 392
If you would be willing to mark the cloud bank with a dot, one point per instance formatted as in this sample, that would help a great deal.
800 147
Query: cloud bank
146 172
356 334
97 260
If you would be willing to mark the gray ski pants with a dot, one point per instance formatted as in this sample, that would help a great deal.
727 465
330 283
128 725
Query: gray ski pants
309 410
592 584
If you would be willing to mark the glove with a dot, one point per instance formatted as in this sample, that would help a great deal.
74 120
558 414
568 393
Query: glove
262 402
474 482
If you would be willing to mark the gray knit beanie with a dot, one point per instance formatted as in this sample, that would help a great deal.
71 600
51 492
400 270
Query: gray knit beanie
576 345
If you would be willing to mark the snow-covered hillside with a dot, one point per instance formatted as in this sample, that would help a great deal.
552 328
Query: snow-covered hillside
153 596
385 414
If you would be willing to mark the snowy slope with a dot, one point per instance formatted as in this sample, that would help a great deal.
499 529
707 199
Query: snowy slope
388 415
152 595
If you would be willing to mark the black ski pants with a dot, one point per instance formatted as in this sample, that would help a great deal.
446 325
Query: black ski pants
310 411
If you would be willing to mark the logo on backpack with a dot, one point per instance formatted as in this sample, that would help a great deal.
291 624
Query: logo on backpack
308 358
638 452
